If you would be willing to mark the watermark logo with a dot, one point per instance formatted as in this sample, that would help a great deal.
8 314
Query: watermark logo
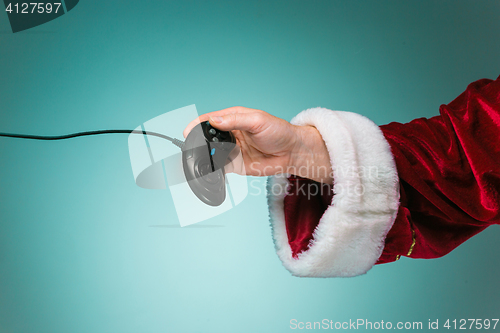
26 15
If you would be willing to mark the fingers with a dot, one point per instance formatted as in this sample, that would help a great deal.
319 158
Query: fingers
248 122
206 116
236 162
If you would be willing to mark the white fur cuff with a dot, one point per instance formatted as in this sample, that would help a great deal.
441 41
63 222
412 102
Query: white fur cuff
350 235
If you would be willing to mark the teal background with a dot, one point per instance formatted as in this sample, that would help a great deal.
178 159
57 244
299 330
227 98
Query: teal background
83 249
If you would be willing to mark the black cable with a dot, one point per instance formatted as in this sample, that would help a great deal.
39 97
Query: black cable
176 142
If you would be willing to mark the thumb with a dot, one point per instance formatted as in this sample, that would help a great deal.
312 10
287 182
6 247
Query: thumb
249 122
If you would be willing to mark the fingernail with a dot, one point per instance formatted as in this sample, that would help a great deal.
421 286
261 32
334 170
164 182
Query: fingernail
216 119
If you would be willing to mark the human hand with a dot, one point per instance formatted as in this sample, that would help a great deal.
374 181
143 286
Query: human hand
270 145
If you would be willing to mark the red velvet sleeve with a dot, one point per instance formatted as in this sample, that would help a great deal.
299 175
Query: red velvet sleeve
449 173
449 170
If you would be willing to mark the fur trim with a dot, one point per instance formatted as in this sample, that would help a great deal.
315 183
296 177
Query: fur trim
350 235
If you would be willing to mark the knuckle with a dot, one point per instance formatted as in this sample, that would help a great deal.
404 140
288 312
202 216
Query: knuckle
257 121
259 118
239 109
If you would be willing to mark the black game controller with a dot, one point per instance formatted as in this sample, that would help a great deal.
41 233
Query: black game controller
205 153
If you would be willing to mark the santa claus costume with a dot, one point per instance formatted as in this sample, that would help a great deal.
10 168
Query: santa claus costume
417 190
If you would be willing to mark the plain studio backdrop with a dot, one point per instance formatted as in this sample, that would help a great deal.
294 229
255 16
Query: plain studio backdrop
83 249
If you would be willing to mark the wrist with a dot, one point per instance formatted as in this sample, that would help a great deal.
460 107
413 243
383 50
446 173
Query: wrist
310 157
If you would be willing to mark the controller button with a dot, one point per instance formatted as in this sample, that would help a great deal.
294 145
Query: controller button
212 131
215 139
